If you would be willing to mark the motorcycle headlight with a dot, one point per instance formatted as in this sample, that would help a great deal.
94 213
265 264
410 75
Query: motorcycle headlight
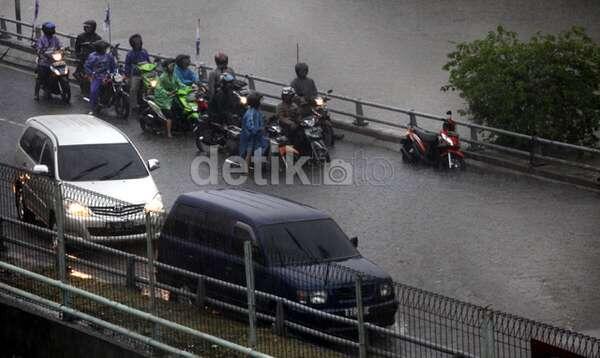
155 205
385 290
57 56
319 101
243 100
118 78
312 297
74 208
153 83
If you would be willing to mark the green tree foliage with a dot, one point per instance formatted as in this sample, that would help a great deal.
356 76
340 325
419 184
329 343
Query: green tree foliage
548 86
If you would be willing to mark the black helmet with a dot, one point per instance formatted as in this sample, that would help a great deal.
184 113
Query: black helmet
287 92
166 62
135 39
91 24
180 59
301 69
221 59
48 28
254 99
100 46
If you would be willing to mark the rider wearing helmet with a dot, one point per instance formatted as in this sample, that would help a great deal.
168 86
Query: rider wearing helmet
84 45
287 111
303 85
224 103
47 43
98 66
183 72
253 126
134 57
222 63
165 92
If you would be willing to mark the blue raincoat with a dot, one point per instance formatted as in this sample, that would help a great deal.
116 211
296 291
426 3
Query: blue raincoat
252 135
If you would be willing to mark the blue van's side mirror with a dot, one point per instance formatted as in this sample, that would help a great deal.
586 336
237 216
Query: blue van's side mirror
354 241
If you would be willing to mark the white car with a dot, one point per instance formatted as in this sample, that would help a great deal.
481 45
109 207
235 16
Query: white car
107 187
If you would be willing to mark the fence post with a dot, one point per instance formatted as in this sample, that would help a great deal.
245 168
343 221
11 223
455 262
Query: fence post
2 245
251 84
3 28
359 120
200 293
360 317
533 147
412 118
59 212
279 326
151 276
250 293
487 334
130 272
474 137
18 16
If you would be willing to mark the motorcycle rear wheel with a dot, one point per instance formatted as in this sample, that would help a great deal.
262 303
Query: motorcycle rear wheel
122 107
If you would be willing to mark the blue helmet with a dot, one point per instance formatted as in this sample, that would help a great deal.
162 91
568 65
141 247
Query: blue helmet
48 28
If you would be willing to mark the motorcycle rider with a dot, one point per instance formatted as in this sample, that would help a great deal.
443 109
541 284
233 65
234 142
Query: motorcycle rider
84 47
252 136
183 72
165 91
222 63
288 112
306 91
224 103
134 57
46 43
99 64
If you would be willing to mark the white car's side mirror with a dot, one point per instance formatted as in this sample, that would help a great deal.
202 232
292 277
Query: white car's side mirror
153 164
40 169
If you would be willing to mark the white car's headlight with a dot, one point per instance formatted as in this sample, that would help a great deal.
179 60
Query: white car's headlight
74 208
155 205
312 297
385 290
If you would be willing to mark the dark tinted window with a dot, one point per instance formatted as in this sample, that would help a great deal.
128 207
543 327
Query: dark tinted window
48 157
195 225
100 162
32 143
305 241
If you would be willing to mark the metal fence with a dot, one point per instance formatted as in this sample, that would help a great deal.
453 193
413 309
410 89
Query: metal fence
534 149
199 273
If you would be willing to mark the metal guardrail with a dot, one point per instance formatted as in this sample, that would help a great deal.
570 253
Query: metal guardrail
360 119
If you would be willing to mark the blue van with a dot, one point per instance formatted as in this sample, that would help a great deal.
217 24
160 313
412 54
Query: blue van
299 253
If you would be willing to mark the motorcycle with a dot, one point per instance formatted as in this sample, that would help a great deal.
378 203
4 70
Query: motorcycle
312 143
439 149
223 133
149 73
188 106
58 80
323 118
114 92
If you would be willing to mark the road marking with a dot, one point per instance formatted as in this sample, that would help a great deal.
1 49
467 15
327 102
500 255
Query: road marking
7 65
12 122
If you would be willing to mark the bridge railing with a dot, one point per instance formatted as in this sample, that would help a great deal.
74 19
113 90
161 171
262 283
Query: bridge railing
535 149
217 281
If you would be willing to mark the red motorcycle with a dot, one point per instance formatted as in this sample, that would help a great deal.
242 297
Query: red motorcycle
441 150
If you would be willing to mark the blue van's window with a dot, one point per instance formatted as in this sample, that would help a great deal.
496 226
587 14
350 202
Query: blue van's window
305 241
193 224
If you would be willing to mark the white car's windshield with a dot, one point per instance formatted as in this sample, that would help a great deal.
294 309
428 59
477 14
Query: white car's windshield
92 162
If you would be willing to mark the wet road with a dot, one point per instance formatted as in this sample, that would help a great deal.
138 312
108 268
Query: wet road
387 51
523 245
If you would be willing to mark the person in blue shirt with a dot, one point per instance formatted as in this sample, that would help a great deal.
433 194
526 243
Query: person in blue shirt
133 58
183 72
48 42
253 127
98 66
